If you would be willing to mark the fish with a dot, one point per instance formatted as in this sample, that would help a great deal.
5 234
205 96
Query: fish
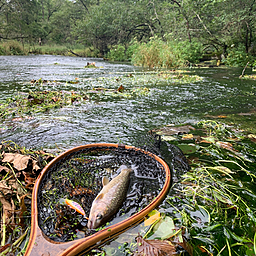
110 198
74 205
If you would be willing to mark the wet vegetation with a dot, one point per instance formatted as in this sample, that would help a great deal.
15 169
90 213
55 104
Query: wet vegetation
38 99
210 209
249 77
220 186
19 168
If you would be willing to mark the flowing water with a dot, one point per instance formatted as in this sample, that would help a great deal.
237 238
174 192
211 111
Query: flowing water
220 92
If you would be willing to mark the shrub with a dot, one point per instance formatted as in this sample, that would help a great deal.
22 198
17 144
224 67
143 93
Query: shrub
13 48
36 51
2 50
254 65
131 49
237 57
170 54
191 52
117 52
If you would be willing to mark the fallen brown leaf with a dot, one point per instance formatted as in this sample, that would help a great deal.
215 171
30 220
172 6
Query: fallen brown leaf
120 88
4 168
11 187
7 188
7 207
22 211
187 136
3 248
252 137
29 181
19 161
225 145
154 247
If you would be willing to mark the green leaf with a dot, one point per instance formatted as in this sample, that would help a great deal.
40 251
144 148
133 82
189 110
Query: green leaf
236 237
222 198
188 148
164 228
210 139
222 169
210 228
254 243
168 138
204 239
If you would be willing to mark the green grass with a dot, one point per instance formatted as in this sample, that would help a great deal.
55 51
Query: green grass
17 48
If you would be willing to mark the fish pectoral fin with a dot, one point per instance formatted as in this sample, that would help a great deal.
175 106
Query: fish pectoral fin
105 181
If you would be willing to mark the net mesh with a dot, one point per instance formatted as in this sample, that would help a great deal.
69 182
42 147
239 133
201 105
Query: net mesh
78 177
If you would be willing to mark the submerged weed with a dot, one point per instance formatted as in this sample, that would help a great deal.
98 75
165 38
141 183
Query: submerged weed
41 97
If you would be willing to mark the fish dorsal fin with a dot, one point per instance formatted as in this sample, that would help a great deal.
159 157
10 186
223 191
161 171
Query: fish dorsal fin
105 181
100 196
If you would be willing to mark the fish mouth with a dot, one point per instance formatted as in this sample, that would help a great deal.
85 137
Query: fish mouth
90 224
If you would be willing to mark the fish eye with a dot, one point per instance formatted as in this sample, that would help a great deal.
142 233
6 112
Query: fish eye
99 216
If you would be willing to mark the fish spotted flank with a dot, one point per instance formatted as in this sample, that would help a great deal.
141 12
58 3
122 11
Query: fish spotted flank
110 198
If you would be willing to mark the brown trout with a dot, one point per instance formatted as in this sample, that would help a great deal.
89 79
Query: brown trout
110 198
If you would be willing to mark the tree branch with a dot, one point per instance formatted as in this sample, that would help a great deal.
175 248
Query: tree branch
156 18
82 2
2 5
207 30
181 11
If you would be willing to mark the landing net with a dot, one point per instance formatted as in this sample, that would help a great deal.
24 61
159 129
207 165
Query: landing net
78 177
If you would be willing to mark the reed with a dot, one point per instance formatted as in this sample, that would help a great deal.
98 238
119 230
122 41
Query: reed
166 54
12 48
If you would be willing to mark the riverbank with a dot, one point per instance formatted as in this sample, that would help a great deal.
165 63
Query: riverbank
16 48
154 54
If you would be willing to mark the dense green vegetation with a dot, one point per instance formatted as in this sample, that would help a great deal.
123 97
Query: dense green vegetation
159 32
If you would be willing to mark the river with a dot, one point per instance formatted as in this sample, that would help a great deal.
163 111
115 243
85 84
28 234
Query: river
220 92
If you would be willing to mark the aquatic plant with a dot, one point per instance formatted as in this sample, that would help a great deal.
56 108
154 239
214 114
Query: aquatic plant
41 98
210 209
249 77
36 101
215 201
